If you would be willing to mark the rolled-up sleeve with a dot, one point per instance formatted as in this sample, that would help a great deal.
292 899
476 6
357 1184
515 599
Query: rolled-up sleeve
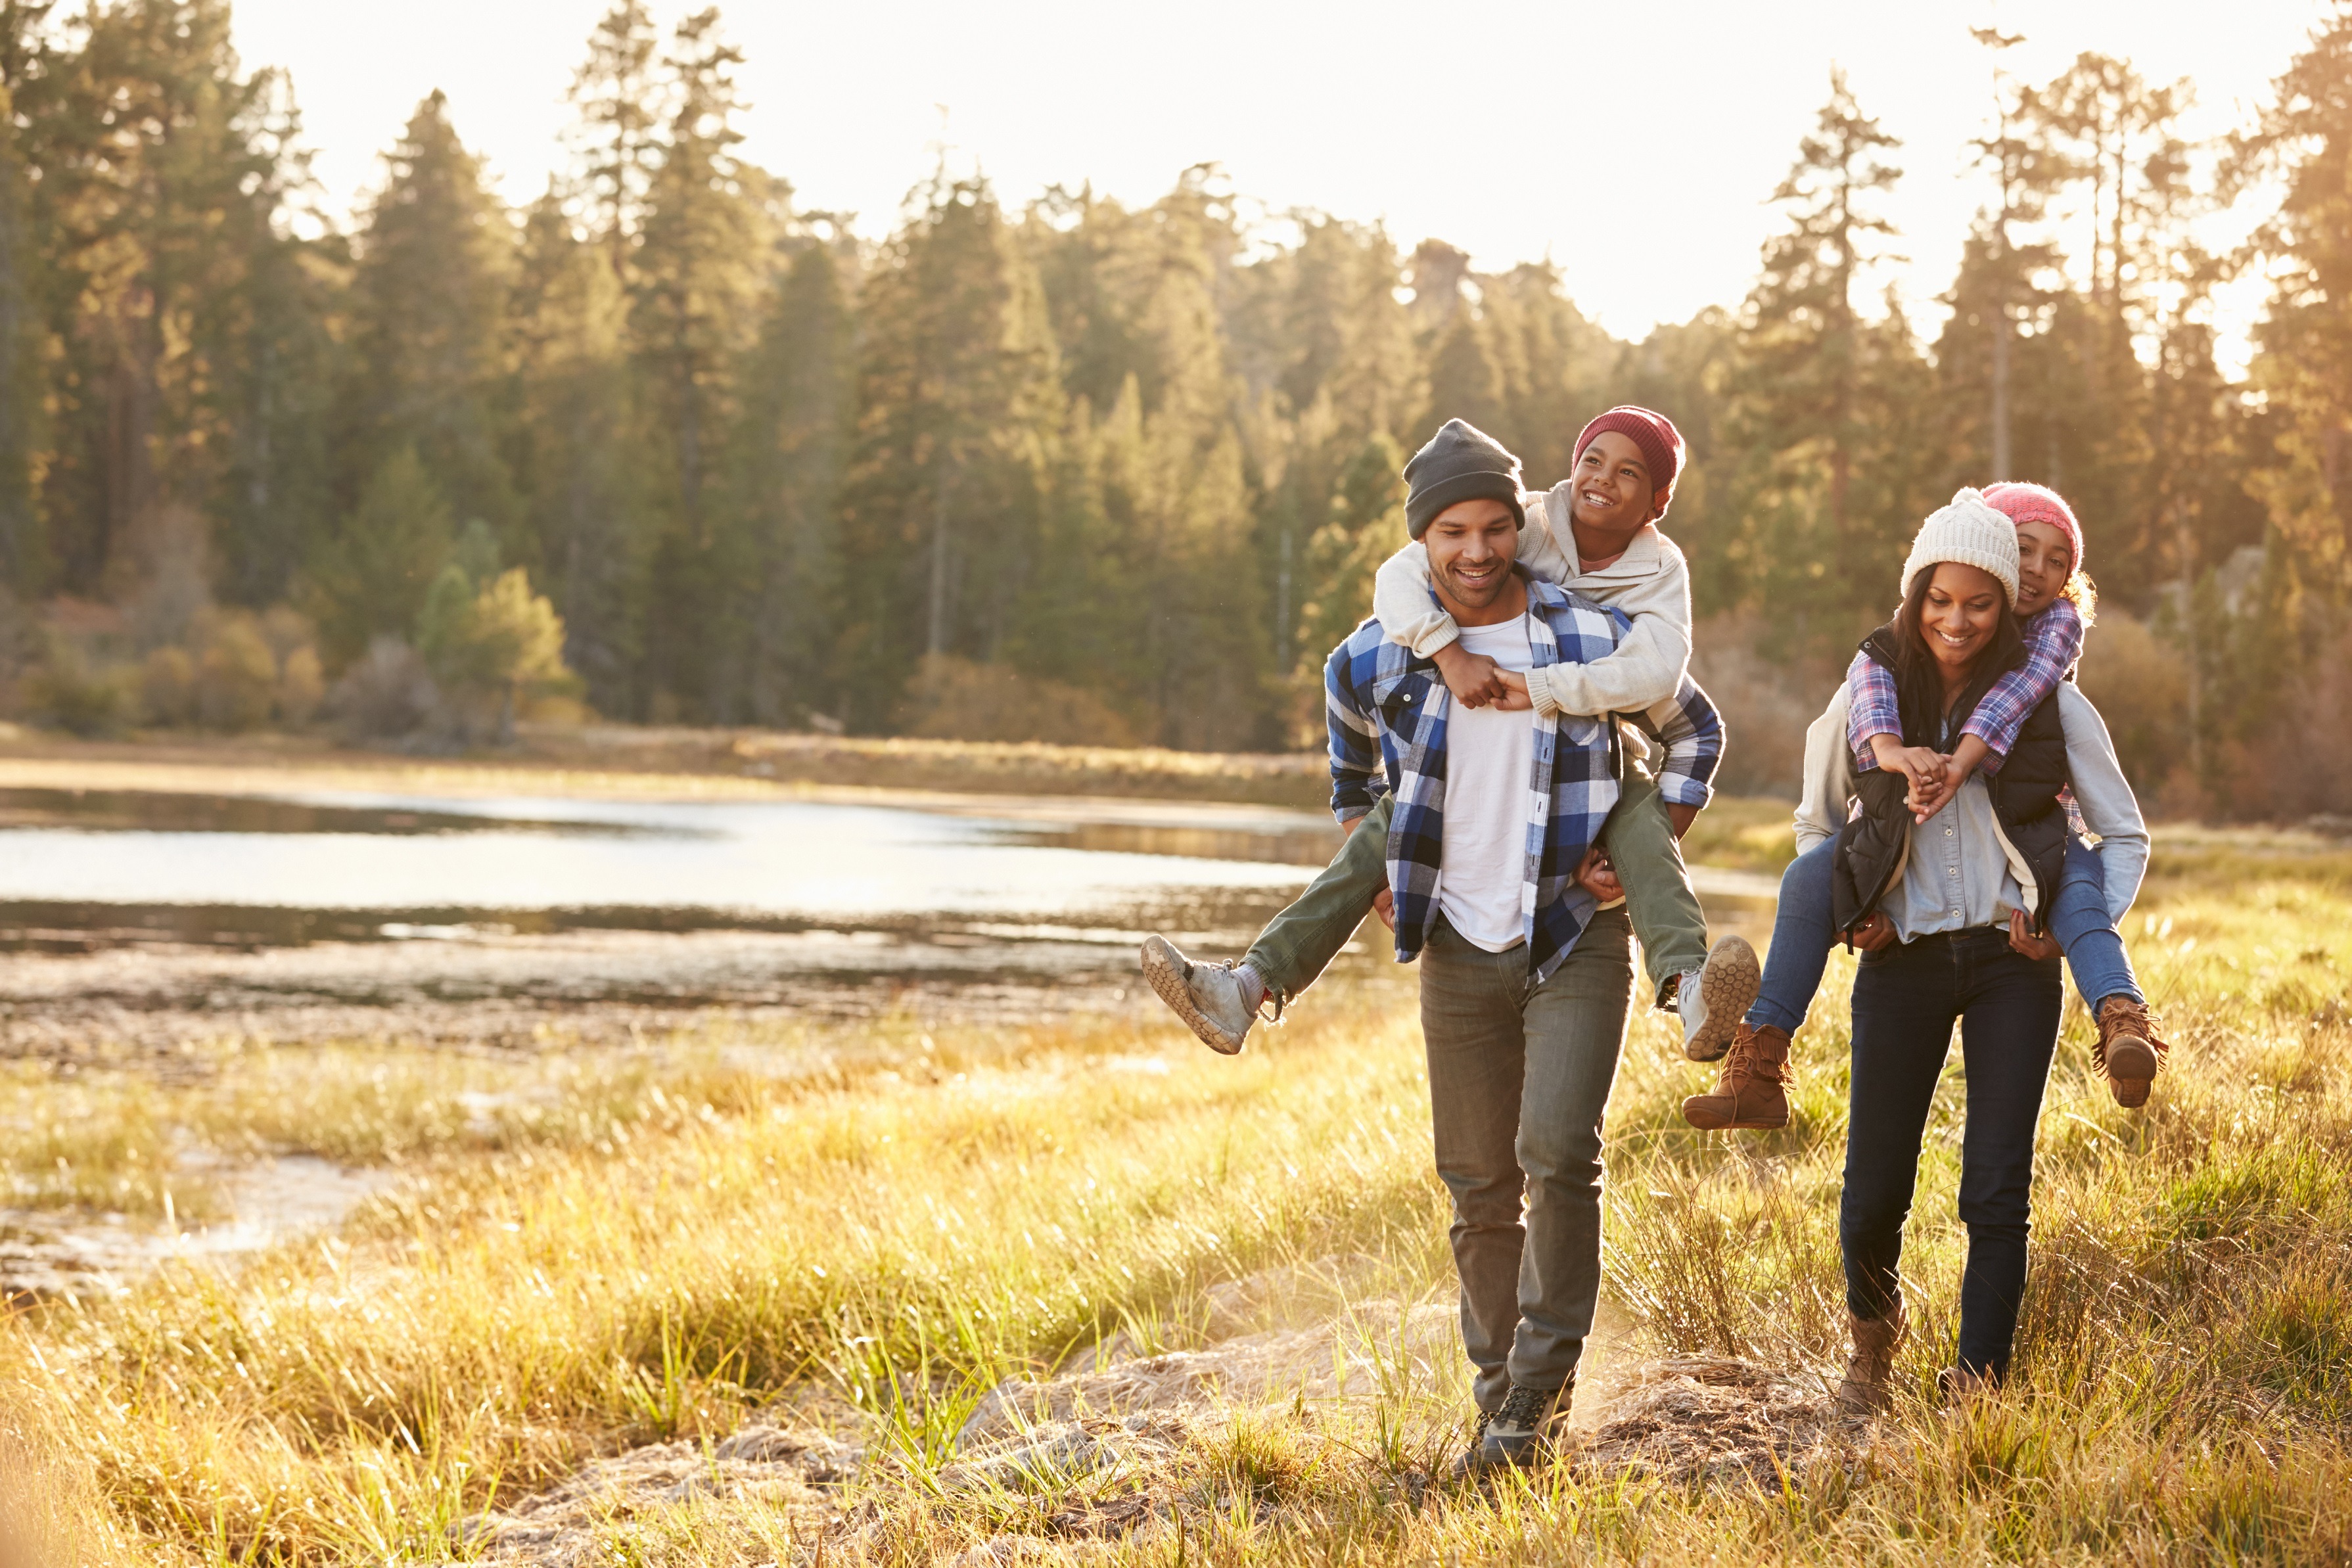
1692 733
1355 743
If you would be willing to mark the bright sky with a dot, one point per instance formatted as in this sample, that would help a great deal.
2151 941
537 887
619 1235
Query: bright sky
1515 130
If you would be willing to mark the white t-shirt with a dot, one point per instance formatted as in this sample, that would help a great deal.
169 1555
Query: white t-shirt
1489 767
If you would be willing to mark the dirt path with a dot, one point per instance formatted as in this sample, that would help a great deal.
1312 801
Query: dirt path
1102 1453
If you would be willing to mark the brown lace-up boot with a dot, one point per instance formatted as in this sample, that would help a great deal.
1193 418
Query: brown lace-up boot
1870 1369
1753 1089
2130 1051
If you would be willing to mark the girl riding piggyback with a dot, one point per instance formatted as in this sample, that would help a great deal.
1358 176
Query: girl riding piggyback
2056 604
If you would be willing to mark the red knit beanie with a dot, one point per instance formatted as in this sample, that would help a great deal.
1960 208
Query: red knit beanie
1661 445
2022 503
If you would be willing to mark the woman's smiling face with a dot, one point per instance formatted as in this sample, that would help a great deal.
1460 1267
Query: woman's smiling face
1959 614
2045 560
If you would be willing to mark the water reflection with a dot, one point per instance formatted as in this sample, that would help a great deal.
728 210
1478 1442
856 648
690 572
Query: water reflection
80 870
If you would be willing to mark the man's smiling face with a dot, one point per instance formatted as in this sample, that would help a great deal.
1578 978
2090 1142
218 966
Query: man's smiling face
1472 545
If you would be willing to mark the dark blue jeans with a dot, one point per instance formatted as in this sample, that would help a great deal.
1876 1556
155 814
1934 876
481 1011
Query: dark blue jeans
1905 1000
1804 930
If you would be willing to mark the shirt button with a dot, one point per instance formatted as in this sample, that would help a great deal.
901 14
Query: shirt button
1951 870
1947 832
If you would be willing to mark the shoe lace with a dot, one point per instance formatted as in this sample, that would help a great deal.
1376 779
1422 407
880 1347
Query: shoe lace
1742 1063
1268 998
2121 1010
1525 1407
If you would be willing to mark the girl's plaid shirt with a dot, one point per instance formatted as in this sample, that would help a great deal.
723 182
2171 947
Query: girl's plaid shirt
2053 641
1386 711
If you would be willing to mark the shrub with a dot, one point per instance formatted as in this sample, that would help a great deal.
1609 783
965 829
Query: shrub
387 693
2140 683
67 691
237 675
956 699
301 687
492 645
167 687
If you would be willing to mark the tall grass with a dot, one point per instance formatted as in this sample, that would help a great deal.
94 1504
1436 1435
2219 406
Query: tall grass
2183 1388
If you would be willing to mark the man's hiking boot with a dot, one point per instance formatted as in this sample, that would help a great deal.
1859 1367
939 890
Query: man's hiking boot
1209 997
2130 1051
1713 999
1869 1383
1753 1089
1468 1464
1520 1432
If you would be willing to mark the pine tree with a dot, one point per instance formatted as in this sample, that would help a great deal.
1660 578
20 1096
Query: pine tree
1831 478
428 317
615 143
778 546
693 290
274 388
579 450
2305 365
957 407
153 159
24 415
370 578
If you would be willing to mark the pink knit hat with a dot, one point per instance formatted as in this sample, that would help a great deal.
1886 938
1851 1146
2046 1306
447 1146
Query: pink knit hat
2022 503
1655 434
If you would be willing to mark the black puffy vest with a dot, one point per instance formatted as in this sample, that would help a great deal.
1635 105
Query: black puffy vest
1872 845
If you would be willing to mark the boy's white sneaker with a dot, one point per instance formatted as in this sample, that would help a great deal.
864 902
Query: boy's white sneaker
1713 999
1212 998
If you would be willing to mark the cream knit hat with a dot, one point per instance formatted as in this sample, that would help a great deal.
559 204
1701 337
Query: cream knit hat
1970 532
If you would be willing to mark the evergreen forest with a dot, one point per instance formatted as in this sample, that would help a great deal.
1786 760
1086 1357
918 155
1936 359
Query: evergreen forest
664 446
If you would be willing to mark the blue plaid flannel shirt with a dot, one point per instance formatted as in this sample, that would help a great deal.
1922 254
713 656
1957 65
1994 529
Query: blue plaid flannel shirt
1387 711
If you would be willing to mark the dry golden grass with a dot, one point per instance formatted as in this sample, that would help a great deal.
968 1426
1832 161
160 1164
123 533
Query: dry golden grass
885 1250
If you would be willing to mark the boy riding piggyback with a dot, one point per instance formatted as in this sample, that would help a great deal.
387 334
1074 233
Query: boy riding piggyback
1596 534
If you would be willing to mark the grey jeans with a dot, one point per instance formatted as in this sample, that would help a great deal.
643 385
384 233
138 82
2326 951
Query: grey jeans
1519 1078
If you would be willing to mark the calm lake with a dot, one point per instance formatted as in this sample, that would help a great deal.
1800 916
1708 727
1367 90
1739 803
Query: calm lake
354 866
153 918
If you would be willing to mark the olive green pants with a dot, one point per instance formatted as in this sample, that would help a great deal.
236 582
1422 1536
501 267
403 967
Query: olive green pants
1299 943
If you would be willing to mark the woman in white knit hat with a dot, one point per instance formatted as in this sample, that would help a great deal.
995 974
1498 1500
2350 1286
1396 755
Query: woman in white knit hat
1949 913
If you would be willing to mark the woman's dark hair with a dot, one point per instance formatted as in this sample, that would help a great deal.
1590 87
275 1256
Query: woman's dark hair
1915 666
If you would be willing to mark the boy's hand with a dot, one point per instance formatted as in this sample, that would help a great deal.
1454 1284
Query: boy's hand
1597 877
1473 678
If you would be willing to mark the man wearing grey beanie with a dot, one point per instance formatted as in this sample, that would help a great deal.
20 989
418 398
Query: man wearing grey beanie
1485 865
1460 463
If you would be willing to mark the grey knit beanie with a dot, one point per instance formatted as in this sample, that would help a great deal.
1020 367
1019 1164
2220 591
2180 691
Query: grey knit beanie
1971 532
1462 463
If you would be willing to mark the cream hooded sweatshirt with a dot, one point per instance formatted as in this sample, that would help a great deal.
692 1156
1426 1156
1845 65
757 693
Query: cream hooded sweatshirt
1650 582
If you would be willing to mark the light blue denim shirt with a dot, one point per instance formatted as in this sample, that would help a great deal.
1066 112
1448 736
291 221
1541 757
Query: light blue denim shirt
1960 873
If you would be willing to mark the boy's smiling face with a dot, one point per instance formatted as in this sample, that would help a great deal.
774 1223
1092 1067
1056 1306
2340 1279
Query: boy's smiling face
1612 492
2045 560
